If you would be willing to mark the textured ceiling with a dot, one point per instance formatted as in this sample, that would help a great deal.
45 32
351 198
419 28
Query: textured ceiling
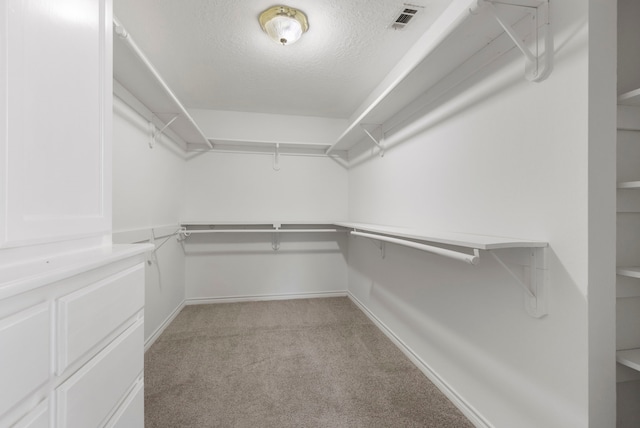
214 54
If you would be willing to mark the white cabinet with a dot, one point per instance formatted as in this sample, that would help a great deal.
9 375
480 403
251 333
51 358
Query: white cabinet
55 120
72 340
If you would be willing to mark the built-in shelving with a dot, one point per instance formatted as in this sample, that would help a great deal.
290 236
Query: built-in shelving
479 242
629 358
464 29
139 85
444 51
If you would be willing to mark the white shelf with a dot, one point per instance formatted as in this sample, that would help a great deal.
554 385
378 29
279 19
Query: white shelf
439 61
629 185
133 72
630 271
480 242
629 358
631 98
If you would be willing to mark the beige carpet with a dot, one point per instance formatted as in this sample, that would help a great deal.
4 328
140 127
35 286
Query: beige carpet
292 363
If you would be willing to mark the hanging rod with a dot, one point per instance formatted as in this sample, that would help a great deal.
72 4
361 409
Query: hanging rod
469 258
126 37
263 231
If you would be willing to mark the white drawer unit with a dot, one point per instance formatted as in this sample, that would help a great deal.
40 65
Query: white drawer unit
131 413
24 354
72 340
91 395
87 316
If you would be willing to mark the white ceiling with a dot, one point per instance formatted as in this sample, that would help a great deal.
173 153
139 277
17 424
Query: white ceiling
214 55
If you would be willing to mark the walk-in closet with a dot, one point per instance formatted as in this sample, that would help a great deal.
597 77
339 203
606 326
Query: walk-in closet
325 214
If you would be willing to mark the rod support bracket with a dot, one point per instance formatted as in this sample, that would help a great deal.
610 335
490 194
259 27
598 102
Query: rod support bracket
377 140
538 59
532 276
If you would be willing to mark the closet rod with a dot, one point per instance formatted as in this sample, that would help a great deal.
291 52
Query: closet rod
126 37
469 258
262 231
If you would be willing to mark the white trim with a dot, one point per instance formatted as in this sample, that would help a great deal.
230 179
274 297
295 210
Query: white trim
264 297
150 341
469 411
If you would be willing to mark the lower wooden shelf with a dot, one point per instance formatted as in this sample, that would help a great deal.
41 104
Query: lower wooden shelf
629 358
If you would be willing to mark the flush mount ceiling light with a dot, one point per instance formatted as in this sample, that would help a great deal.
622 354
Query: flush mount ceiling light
284 24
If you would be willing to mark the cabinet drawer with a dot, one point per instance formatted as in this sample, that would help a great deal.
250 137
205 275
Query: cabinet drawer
37 418
88 397
24 354
87 316
131 413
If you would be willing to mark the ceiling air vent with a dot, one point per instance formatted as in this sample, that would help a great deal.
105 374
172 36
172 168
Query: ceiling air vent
405 16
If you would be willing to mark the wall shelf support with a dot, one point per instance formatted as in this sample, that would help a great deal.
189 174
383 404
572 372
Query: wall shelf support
537 65
533 278
376 140
157 133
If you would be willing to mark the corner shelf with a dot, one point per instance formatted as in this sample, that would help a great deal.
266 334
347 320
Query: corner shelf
629 358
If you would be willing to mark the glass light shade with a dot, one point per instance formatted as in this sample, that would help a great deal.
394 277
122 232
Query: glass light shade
283 29
284 24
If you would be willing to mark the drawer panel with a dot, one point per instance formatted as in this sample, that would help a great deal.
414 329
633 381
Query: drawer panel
25 357
87 316
131 413
37 418
88 397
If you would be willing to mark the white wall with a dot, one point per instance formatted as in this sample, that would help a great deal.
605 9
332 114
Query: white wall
147 194
246 188
502 157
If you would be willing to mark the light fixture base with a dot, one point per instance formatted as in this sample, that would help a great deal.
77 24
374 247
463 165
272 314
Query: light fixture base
284 24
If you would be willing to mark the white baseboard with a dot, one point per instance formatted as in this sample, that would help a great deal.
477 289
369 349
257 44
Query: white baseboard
163 326
466 409
264 297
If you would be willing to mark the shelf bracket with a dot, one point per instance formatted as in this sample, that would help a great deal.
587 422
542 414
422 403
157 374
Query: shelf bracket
533 279
376 141
275 240
156 133
537 65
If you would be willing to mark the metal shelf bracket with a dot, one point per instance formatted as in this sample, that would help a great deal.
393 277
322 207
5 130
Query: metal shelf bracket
276 159
533 278
155 133
376 140
538 65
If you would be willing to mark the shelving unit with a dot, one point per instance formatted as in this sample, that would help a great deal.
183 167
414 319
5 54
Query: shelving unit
139 85
627 121
533 280
461 32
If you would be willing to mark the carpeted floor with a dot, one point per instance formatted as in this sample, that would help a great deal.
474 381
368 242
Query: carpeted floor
291 363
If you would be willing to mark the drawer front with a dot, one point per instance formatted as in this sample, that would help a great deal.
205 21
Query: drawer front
88 397
87 316
37 418
24 354
131 413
